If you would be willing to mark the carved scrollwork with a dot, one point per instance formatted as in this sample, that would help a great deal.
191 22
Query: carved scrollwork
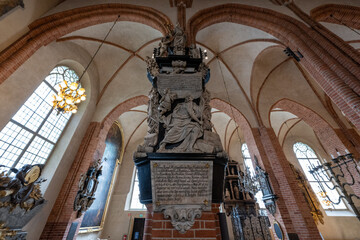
182 218
178 66
6 232
152 67
23 189
87 188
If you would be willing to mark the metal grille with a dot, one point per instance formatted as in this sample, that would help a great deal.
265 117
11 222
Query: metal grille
307 157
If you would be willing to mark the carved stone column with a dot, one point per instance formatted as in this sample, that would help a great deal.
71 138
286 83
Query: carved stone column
181 163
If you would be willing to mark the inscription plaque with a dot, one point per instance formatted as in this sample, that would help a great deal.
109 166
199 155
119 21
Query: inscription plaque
182 85
181 183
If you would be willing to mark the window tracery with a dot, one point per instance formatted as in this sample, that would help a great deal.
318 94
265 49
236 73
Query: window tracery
31 134
307 157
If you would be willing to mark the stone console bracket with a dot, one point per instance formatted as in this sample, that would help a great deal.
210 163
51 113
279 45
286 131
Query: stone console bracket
182 217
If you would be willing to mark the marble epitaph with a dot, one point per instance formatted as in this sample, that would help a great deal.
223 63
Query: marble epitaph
191 85
181 183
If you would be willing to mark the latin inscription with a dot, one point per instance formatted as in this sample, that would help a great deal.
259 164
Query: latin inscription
181 182
181 84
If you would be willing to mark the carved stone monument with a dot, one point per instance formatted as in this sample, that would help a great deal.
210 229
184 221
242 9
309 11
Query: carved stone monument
20 199
181 157
87 187
240 204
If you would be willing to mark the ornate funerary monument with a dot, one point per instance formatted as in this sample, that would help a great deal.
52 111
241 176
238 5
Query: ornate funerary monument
240 205
20 199
181 163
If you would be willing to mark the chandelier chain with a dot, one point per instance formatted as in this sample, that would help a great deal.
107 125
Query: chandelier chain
102 42
228 98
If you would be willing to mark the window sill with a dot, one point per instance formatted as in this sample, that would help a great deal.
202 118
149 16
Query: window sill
339 213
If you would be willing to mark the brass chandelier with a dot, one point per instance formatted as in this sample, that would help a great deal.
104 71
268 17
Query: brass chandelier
70 95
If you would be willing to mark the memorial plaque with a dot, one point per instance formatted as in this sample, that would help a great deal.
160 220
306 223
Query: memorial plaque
181 84
181 183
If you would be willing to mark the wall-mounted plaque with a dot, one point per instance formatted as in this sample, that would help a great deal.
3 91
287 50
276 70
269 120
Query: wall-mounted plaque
181 183
182 85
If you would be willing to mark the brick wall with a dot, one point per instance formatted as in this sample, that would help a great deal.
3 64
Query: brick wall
62 213
205 228
295 203
330 63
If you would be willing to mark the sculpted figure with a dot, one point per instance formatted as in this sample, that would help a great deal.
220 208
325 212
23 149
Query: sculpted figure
184 125
206 109
165 103
194 52
236 192
179 41
152 119
152 67
227 193
164 45
20 187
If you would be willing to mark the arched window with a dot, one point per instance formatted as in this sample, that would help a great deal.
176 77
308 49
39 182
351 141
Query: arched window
307 157
248 164
31 134
133 200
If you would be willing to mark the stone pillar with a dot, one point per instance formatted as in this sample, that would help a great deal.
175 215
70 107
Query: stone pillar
292 208
181 14
282 215
205 228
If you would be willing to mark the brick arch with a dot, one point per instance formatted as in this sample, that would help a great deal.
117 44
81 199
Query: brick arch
91 148
249 133
49 28
253 140
120 109
334 71
327 135
341 14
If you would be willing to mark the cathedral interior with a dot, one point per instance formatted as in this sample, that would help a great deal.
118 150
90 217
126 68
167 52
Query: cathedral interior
284 90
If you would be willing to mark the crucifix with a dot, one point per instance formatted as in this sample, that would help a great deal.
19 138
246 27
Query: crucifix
181 10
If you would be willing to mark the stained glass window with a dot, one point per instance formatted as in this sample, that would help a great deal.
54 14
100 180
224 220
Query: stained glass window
249 165
307 157
31 134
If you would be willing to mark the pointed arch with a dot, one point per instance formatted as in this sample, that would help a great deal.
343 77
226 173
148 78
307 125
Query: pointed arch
326 133
333 70
49 28
337 14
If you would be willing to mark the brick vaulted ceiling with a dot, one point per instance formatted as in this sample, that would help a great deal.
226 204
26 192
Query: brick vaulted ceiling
245 62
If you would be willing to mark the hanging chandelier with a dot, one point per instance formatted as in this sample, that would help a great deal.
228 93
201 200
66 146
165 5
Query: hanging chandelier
70 95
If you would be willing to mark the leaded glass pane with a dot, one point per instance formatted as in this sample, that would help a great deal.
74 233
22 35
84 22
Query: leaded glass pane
135 203
307 158
30 135
249 165
245 151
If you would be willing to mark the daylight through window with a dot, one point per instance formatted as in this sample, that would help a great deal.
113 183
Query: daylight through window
135 204
32 133
306 156
249 165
